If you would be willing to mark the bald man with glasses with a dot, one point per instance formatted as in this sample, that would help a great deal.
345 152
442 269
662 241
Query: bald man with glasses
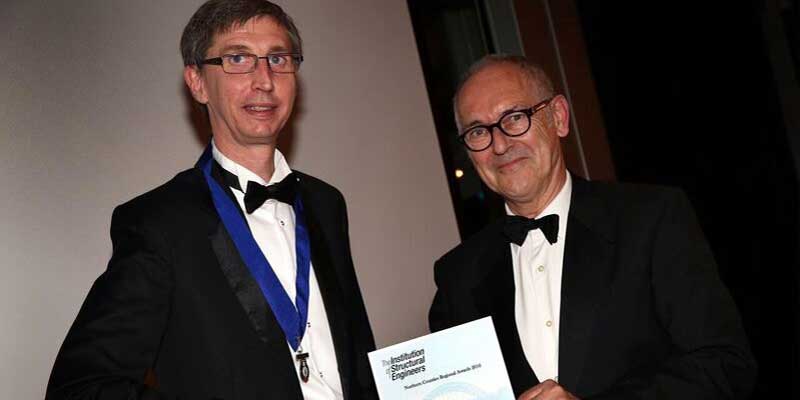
596 290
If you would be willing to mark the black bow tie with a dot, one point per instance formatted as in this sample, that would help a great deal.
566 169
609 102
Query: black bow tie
516 227
256 194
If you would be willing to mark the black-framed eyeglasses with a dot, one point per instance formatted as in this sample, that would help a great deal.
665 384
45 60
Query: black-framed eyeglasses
245 63
512 123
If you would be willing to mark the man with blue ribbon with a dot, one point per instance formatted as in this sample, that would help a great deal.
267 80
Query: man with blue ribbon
233 280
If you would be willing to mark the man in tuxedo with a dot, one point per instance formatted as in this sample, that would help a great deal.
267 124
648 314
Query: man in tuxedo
234 280
596 290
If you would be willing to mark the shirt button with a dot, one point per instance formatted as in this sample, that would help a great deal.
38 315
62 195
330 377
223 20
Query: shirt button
549 323
541 268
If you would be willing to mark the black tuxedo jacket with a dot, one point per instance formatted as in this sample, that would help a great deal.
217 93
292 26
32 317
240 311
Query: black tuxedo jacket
643 312
178 303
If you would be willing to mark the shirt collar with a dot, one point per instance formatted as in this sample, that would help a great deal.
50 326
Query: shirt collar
559 206
281 168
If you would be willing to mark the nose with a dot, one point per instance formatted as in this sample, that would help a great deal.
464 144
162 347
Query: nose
500 142
262 77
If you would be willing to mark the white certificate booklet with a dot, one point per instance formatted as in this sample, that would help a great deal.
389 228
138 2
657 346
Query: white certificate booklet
463 362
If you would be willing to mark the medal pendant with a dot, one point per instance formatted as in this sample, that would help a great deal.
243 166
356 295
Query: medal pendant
304 372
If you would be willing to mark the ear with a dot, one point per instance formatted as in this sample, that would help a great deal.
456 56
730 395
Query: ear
197 85
560 108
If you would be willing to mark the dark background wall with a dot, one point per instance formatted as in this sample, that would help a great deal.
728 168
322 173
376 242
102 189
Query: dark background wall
691 99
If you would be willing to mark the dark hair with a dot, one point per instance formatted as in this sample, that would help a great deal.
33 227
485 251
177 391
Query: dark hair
535 74
216 16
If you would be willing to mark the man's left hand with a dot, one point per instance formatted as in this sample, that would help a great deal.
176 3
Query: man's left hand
547 390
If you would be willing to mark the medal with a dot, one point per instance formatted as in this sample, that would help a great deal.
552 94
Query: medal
301 358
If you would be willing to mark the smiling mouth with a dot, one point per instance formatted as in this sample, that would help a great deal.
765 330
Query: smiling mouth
261 110
510 164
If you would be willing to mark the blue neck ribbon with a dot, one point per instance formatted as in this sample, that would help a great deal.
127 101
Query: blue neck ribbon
291 319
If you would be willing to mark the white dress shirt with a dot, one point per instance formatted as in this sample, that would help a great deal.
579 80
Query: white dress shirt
537 281
273 227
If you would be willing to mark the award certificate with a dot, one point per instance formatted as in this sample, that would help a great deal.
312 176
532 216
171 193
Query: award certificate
463 362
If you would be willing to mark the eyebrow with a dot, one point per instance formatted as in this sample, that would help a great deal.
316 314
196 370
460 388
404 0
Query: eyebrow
512 108
240 48
279 49
235 48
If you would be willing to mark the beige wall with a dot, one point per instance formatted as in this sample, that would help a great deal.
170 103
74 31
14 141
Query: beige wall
92 113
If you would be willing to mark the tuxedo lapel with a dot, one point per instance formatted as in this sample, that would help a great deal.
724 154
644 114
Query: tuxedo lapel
587 274
238 274
244 286
499 289
330 290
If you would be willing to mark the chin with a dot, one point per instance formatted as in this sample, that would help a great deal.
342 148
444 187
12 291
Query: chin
522 188
514 195
516 182
263 132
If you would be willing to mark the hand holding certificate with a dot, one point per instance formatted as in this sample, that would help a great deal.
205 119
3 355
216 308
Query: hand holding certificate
462 362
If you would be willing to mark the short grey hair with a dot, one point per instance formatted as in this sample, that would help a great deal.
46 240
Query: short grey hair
534 72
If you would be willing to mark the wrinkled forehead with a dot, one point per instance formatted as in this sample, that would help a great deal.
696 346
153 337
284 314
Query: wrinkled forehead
504 75
494 89
257 25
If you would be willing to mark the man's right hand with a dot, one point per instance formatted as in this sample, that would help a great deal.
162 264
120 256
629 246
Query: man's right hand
547 390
